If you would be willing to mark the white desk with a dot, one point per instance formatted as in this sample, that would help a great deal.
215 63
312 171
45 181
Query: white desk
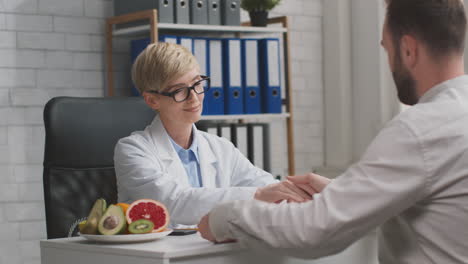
172 249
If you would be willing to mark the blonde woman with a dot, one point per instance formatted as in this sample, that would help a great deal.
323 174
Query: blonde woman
188 170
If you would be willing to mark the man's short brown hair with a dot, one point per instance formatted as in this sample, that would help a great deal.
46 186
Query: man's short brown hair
439 24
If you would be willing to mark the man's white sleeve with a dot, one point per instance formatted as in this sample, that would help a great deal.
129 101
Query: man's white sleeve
390 177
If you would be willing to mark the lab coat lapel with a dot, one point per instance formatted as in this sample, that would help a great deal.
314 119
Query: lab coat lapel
208 162
166 152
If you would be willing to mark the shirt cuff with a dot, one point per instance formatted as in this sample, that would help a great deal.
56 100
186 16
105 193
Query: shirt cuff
252 190
219 221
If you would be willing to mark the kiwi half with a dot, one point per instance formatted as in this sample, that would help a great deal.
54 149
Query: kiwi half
141 226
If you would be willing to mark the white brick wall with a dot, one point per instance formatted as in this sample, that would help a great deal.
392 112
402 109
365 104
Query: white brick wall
4 97
59 60
32 23
17 77
27 173
54 48
58 78
305 18
93 8
78 25
48 41
25 211
7 39
15 58
19 6
78 42
61 7
48 48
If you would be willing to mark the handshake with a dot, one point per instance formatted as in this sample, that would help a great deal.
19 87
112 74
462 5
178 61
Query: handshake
295 189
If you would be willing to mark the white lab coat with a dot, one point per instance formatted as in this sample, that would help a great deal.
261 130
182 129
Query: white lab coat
147 166
412 182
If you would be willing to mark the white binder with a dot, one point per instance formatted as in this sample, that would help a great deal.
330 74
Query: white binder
201 53
270 79
250 77
186 42
241 139
168 39
215 62
213 103
258 146
225 130
233 92
212 130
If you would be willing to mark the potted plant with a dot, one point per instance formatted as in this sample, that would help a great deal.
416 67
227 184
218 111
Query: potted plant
258 10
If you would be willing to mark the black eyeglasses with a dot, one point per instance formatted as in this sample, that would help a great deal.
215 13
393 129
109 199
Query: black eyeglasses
183 94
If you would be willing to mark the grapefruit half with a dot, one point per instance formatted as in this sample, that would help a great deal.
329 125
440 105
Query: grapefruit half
151 210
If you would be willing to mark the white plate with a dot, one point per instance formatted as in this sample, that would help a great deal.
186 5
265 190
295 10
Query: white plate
127 238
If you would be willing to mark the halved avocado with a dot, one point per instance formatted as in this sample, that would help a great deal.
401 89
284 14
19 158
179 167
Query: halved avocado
141 226
91 226
113 221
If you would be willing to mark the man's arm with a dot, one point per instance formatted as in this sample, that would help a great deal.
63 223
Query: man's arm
391 177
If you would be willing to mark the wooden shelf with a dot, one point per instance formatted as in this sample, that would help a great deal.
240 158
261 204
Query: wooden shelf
200 28
246 117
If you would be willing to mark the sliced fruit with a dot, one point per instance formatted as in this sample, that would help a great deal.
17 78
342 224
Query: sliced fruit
113 221
151 210
124 206
94 216
81 225
141 226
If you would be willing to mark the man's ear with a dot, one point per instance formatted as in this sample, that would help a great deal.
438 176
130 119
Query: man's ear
152 100
409 49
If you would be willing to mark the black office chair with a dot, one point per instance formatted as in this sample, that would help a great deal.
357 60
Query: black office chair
78 162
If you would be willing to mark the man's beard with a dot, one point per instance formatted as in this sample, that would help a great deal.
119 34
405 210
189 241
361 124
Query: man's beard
404 82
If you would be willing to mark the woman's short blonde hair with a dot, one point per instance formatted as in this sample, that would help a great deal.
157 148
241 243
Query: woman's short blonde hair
159 64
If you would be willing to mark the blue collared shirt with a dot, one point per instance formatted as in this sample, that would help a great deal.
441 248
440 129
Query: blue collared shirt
190 161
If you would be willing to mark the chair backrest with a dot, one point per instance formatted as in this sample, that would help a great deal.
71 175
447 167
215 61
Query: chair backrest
81 134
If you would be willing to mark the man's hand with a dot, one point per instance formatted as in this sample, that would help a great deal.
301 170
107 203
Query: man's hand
204 229
310 183
277 192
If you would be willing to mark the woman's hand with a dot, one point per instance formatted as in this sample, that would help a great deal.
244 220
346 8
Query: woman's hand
311 183
277 192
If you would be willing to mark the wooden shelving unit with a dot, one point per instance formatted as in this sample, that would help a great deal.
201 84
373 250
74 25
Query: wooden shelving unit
279 25
199 28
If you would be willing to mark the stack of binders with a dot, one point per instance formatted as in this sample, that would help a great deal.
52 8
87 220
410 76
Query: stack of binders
213 12
166 9
250 78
